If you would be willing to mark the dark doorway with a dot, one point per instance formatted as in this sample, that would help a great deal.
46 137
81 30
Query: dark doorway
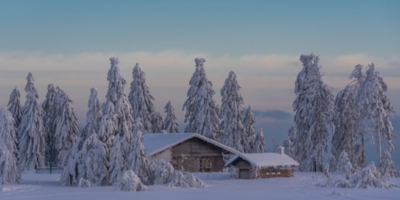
244 173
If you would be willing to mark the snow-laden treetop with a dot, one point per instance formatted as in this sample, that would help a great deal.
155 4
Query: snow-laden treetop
199 62
30 86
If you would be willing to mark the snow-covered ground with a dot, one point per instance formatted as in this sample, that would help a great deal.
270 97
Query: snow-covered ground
219 186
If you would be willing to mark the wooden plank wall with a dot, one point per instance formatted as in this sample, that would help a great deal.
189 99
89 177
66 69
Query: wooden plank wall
188 155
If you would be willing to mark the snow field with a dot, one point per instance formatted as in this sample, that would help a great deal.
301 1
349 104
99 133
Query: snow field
219 186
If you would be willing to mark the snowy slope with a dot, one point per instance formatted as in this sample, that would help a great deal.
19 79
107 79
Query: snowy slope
219 186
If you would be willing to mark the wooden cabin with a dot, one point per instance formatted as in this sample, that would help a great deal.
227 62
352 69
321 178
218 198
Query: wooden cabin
188 151
262 165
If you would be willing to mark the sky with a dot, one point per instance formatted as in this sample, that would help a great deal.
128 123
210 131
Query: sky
69 43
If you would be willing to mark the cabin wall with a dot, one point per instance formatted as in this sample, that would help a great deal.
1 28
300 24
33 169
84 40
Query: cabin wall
196 155
272 172
269 172
165 155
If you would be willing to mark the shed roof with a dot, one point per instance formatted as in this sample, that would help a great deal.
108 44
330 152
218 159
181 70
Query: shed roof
265 159
158 142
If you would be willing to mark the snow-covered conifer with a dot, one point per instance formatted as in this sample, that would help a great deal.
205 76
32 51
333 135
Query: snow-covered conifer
259 142
388 166
250 135
75 160
31 130
14 106
117 161
347 135
66 125
49 112
137 158
170 124
9 169
313 108
232 129
157 122
376 108
129 181
96 161
344 165
117 117
201 110
289 143
141 100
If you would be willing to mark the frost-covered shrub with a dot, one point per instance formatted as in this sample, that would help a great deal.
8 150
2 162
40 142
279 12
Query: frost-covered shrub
368 177
185 180
163 172
83 183
129 181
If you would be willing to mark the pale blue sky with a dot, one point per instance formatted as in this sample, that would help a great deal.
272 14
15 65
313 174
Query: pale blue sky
217 27
68 43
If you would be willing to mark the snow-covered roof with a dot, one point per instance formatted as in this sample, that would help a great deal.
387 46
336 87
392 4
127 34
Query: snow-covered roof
265 159
158 142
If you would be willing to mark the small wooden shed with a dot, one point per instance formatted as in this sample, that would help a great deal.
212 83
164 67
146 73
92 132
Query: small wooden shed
188 151
262 165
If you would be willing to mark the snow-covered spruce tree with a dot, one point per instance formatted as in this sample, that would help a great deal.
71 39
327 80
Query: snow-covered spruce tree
49 111
259 142
14 106
376 108
388 166
232 129
96 160
66 126
117 116
141 100
201 110
170 124
249 132
313 108
290 141
344 165
347 135
31 130
370 176
75 160
9 169
157 122
137 158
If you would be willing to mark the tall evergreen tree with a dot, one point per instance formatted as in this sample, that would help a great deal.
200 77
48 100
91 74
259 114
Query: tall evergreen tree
49 111
249 132
75 160
313 108
66 126
117 117
347 135
170 124
31 130
14 106
376 108
232 129
201 110
141 100
9 169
